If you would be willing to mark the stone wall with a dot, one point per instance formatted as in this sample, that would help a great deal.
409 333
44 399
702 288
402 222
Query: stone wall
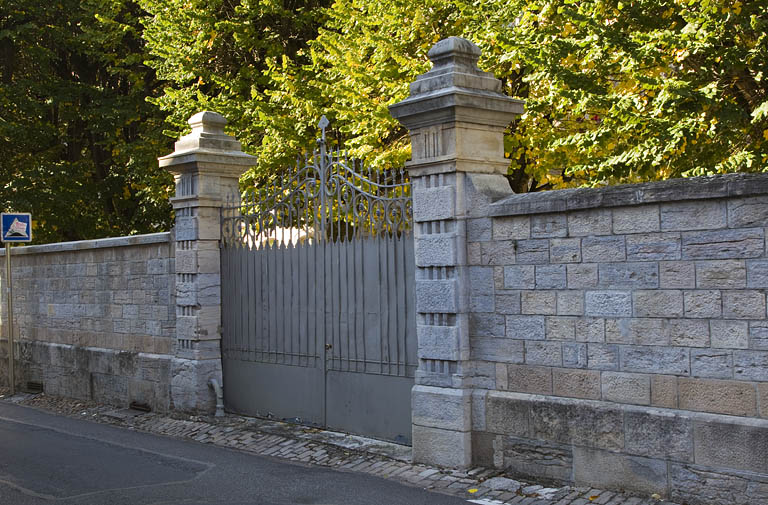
619 337
95 319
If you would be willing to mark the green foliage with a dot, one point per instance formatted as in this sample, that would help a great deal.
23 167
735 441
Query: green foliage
78 141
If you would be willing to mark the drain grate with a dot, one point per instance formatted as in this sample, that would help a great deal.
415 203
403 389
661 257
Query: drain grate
34 387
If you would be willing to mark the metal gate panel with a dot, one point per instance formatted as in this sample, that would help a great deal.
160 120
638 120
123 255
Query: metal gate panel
317 298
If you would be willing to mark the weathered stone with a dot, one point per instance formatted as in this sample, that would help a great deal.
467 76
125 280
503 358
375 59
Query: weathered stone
479 229
507 303
618 471
750 365
724 244
738 445
589 222
436 296
757 273
758 336
565 250
538 302
574 355
677 274
543 353
560 328
550 277
653 246
718 396
721 274
441 447
434 204
581 276
696 215
577 422
511 228
438 342
628 275
729 334
603 249
659 434
626 388
530 379
576 383
688 332
664 391
525 327
536 458
662 360
534 251
646 331
745 212
711 363
602 357
608 303
519 277
548 225
498 252
570 303
435 250
590 329
507 414
762 399
636 219
715 486
503 350
702 303
658 303
744 304
443 408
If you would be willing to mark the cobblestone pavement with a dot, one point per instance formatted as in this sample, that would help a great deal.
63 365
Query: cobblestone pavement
318 447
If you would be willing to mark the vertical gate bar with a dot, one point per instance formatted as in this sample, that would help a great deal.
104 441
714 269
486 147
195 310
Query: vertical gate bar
258 300
225 285
410 314
241 304
252 297
397 242
270 298
384 334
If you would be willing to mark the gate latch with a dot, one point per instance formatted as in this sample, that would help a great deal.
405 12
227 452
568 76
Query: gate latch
328 347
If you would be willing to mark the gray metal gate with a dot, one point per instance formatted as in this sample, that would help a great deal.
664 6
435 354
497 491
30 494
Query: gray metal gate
317 298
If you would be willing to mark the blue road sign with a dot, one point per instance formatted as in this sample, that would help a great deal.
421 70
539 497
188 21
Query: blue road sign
16 227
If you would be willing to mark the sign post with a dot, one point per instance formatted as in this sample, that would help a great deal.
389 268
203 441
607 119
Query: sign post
15 228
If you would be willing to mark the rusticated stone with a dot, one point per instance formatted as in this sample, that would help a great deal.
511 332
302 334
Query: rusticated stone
659 434
718 396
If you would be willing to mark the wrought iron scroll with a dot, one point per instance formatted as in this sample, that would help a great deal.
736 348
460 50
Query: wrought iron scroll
327 196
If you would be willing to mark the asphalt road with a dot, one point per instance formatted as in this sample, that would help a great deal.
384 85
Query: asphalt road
48 459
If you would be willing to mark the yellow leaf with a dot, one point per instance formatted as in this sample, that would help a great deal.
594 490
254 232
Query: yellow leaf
591 498
473 490
765 134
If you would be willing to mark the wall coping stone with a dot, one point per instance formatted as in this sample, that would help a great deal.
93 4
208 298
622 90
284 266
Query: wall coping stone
672 190
102 243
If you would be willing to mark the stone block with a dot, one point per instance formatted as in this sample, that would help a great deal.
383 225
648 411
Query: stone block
758 336
658 303
529 379
712 363
499 252
702 303
589 222
511 228
653 247
186 261
444 408
438 342
507 414
537 459
655 360
750 365
543 353
479 229
603 249
477 409
508 303
533 251
502 350
441 447
481 280
519 277
722 274
636 219
748 211
744 304
574 355
607 470
608 303
724 244
730 397
186 228
737 444
602 356
437 296
434 250
757 273
525 327
577 422
576 383
560 328
664 391
693 215
628 275
659 434
715 486
538 302
581 276
570 303
727 334
548 225
590 329
762 398
433 204
677 274
482 303
688 332
550 277
626 388
565 250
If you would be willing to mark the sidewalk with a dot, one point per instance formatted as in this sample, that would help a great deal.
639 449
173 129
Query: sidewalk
330 449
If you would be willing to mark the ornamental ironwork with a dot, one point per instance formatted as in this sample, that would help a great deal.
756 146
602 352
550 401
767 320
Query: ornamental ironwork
327 196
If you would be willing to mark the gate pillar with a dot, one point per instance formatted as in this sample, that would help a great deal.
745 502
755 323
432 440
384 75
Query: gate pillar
456 116
206 165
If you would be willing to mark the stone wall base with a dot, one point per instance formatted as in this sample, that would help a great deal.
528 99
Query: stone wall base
684 456
89 373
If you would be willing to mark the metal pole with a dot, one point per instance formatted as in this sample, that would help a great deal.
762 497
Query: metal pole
9 319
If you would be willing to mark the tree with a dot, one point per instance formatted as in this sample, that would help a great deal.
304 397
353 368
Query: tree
78 140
